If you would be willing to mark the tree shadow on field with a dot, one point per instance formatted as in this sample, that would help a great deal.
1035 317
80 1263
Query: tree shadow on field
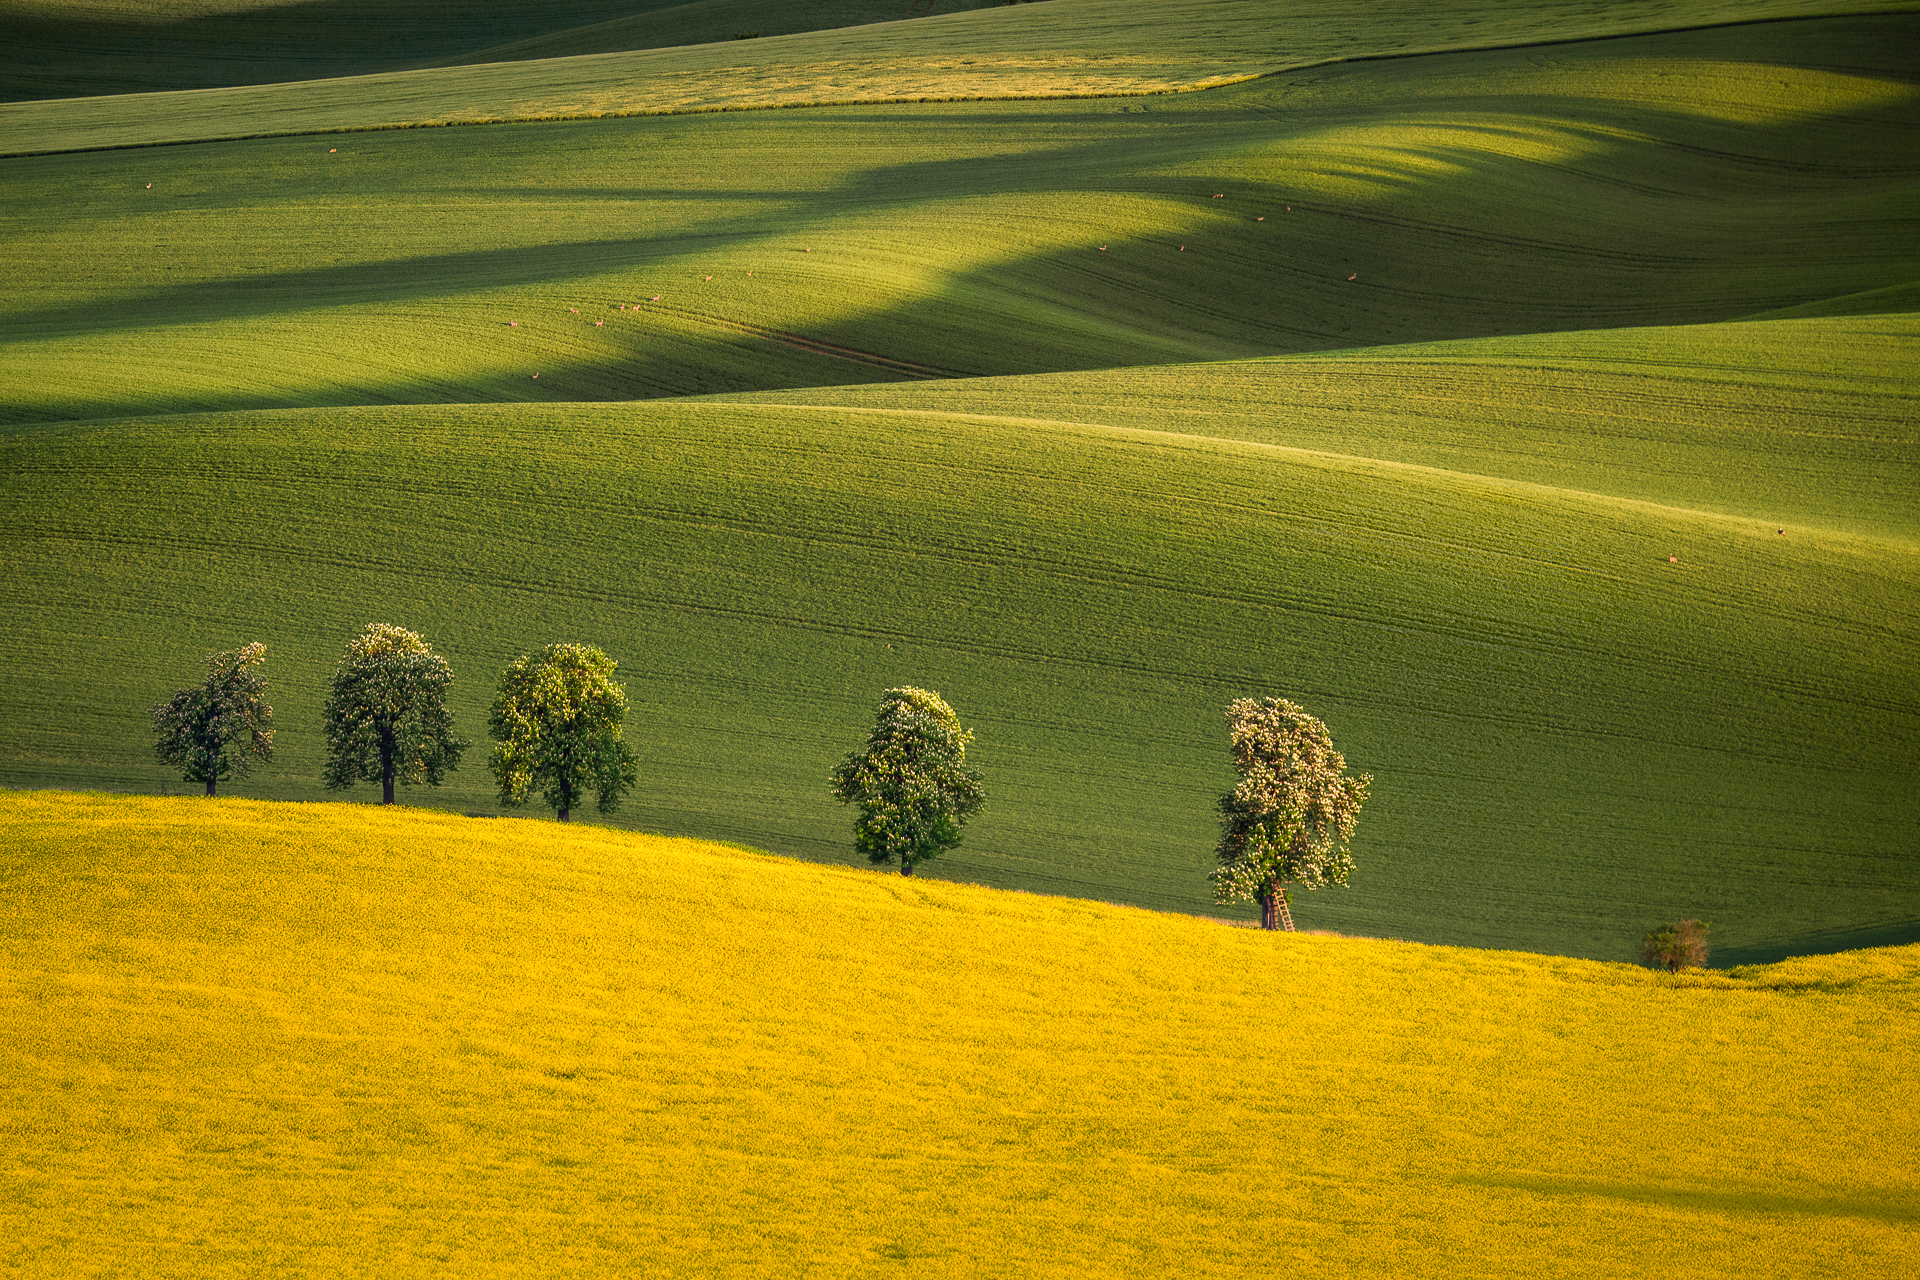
1702 1201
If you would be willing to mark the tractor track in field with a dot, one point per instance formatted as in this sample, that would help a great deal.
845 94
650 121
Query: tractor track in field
813 346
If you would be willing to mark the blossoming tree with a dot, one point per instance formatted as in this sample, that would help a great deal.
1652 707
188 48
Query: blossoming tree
386 713
1289 820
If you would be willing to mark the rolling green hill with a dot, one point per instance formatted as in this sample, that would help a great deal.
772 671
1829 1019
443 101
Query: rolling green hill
70 48
1390 386
1478 194
1061 48
322 1040
1571 734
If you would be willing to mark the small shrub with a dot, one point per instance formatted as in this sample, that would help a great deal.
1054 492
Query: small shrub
1680 945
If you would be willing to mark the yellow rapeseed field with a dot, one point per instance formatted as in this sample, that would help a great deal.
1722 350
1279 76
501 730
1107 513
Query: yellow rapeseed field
246 1038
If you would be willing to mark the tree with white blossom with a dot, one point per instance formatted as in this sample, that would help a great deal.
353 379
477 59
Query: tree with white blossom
1289 820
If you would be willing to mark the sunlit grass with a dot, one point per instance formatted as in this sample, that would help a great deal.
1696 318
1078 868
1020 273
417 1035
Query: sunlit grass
1481 194
1061 48
246 1037
1809 422
1455 551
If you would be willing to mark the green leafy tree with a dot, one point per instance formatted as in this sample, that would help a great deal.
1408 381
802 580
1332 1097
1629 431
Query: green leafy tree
386 713
557 720
911 781
1289 820
214 730
1680 945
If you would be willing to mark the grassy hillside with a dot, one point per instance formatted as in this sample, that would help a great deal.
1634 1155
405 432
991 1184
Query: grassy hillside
310 1040
1059 48
1573 737
712 21
290 387
60 49
1812 422
1666 180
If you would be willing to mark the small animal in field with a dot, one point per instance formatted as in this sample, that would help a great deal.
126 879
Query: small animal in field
513 324
1103 248
1259 219
536 375
149 186
1783 533
1673 559
709 277
656 297
1354 276
331 150
599 324
575 310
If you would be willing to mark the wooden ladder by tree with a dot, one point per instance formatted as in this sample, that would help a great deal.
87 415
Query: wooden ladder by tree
1280 906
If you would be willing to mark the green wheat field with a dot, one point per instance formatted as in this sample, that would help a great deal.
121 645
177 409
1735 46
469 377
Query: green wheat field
1530 390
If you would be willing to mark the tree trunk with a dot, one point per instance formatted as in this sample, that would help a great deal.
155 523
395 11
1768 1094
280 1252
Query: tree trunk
1269 910
386 768
209 786
906 867
563 815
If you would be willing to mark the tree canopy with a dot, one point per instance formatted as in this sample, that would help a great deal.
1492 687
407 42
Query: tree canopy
215 730
1289 820
386 713
557 720
910 781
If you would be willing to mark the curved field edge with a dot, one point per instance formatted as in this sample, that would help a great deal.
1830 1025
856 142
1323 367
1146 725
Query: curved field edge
1063 48
1574 737
63 50
1811 423
241 1034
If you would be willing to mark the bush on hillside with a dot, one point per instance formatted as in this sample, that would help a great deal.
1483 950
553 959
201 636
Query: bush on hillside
1677 946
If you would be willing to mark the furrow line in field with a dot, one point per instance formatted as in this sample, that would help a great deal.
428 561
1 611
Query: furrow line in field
813 346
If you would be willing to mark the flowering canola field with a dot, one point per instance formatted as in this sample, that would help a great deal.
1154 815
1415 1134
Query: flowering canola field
243 1037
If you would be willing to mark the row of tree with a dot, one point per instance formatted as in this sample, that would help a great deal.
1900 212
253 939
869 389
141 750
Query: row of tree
556 722
1287 822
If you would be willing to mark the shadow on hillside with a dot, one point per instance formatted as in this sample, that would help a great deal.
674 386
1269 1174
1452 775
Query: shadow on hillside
1698 1200
1898 933
1661 219
79 54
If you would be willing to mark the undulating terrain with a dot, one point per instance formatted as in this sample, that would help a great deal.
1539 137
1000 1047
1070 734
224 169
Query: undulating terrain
1543 417
1531 390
